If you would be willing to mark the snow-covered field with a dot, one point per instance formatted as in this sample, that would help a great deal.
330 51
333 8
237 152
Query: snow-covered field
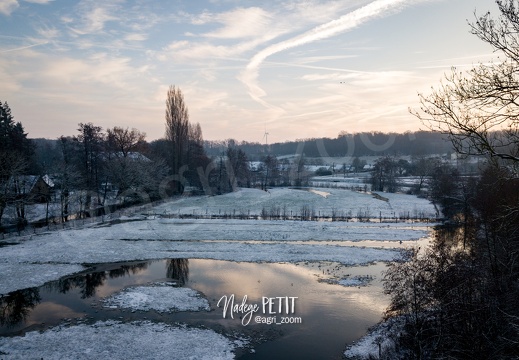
252 201
350 181
328 198
48 256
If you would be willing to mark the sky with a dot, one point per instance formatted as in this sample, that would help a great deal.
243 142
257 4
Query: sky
292 69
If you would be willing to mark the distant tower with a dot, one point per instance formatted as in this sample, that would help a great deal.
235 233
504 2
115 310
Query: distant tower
266 137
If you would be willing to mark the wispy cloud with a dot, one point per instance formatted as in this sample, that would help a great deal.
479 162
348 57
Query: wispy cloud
317 11
118 57
115 73
23 47
136 37
252 27
362 78
329 76
8 6
237 32
39 1
48 32
345 23
93 21
458 62
183 50
317 59
241 23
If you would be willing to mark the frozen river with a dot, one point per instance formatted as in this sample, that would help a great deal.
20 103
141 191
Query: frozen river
326 316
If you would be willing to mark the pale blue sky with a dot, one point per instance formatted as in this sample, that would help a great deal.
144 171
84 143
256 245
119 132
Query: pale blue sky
301 68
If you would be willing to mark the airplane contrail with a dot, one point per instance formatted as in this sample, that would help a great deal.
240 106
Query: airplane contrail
378 8
24 47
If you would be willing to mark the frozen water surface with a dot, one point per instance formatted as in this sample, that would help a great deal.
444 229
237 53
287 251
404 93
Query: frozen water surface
58 282
116 340
73 309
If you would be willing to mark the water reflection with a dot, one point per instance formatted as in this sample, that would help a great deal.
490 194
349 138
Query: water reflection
16 306
126 270
332 315
178 269
88 283
454 237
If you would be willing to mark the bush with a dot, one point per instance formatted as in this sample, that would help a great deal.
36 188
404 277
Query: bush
322 171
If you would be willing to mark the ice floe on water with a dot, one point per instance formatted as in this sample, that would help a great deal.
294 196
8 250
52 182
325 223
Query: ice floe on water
161 297
116 340
25 275
51 256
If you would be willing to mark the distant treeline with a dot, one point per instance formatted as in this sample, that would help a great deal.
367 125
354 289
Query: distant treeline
358 144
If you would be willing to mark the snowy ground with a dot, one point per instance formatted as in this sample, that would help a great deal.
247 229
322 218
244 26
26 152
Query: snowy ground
350 181
323 201
116 340
161 297
377 341
48 256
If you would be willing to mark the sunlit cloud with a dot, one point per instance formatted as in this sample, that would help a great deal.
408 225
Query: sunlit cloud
346 101
458 62
201 98
335 76
101 68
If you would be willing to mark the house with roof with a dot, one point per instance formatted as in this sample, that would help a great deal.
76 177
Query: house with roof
31 188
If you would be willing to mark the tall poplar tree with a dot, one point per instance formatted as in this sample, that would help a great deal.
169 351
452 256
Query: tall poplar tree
177 132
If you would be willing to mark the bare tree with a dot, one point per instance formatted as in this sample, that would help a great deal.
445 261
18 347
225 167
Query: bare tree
383 177
423 168
271 170
478 110
12 164
125 167
195 134
123 141
177 130
90 141
238 167
67 175
298 173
